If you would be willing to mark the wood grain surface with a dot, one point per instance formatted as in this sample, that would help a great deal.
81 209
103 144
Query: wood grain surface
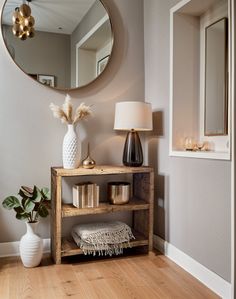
135 277
100 170
69 210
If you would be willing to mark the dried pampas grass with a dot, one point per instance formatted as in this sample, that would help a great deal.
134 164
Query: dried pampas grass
82 112
65 114
58 113
67 108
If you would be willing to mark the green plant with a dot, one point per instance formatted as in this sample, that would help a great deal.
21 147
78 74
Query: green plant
33 203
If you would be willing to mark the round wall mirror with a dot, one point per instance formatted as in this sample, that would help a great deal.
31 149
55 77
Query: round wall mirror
62 44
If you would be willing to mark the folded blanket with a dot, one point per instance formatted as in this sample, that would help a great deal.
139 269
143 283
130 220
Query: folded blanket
103 237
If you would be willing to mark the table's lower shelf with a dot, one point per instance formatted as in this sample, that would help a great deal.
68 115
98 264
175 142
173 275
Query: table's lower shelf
69 248
68 210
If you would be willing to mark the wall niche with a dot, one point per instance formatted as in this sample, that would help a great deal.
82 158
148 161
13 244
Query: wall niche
189 20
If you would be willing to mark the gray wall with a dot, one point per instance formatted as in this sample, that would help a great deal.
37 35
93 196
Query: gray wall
31 139
46 53
196 193
93 16
192 206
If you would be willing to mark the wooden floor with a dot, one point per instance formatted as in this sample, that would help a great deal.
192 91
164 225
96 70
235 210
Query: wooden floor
141 276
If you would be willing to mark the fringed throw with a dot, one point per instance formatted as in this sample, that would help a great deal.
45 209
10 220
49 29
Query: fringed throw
104 238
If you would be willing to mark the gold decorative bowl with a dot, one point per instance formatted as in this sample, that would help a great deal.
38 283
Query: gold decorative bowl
118 192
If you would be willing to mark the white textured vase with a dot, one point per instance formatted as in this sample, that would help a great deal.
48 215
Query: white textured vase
71 149
31 247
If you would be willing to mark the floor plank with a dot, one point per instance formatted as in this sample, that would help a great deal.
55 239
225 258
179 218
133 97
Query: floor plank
151 276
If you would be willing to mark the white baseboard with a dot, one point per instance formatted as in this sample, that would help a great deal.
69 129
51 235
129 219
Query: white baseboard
12 248
213 281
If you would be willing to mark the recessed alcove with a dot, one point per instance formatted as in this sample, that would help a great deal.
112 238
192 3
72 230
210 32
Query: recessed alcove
189 20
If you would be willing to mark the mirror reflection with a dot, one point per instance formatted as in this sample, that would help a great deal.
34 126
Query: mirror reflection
216 79
70 44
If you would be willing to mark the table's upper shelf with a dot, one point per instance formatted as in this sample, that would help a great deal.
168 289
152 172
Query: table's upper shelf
100 170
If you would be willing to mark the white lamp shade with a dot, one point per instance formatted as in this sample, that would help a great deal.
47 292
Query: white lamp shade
133 115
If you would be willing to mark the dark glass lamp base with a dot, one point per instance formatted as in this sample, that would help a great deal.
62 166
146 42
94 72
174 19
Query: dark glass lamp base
133 154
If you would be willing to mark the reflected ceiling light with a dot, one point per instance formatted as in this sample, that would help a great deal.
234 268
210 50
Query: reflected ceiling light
23 22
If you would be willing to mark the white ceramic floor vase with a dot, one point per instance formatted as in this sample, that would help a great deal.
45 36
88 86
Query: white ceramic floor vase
31 247
71 149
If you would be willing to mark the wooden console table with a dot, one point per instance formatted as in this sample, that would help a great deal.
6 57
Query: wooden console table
141 205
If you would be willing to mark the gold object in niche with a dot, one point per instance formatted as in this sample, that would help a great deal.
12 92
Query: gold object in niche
192 145
88 162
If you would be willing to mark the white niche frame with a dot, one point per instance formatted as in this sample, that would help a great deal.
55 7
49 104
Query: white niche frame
188 20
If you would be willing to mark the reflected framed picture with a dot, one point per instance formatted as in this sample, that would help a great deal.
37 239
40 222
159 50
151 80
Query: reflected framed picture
48 80
102 64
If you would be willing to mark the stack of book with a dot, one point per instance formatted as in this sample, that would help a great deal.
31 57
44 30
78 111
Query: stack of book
86 195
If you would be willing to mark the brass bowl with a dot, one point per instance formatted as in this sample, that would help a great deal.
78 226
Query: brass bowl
118 192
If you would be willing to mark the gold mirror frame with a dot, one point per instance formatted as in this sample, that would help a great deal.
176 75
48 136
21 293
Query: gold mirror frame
59 88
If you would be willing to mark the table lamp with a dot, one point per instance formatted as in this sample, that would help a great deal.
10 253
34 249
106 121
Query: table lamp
133 117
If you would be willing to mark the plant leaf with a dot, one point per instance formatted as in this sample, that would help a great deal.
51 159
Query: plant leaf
36 206
22 194
21 216
43 212
19 210
37 196
25 192
28 205
23 201
46 193
11 202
